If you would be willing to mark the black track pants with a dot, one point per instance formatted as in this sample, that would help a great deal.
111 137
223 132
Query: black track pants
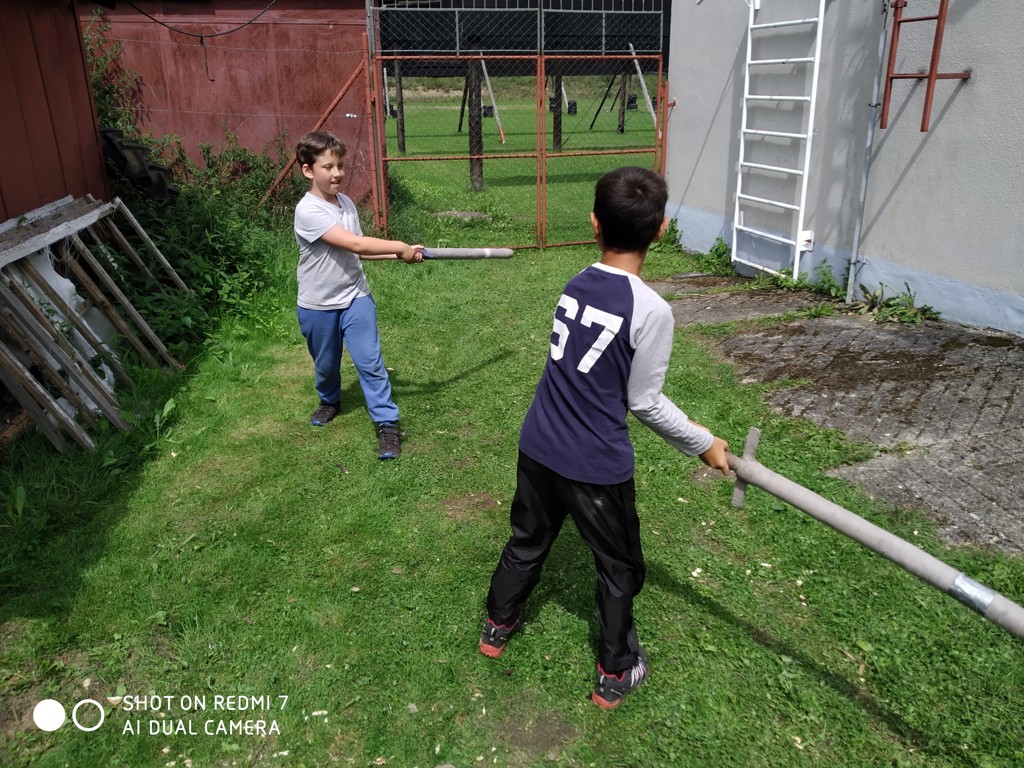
606 518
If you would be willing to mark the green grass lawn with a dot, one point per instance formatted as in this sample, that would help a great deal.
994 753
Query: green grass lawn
245 553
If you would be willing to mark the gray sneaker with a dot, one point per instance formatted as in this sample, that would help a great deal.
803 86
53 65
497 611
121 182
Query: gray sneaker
389 441
610 690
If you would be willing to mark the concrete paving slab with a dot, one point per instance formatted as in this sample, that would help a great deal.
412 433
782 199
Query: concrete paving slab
943 403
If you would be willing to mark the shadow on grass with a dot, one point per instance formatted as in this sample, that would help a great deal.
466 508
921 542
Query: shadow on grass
435 385
661 578
352 398
569 579
72 500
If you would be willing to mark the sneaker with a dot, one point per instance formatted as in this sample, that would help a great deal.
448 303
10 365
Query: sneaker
494 637
610 690
389 440
324 413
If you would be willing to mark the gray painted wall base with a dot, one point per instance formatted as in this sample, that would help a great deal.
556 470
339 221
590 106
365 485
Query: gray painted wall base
957 301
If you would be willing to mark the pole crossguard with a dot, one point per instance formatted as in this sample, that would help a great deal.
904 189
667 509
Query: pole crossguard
989 603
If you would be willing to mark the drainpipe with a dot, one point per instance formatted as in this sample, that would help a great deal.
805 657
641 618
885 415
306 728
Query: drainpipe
856 260
990 604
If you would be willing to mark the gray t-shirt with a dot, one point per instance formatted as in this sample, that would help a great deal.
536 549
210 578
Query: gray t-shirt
329 277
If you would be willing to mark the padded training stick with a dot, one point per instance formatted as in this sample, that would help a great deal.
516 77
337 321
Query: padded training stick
467 253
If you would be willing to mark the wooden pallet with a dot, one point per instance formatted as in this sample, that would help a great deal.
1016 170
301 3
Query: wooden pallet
49 349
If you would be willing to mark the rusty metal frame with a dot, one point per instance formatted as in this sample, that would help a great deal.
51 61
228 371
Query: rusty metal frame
656 151
931 75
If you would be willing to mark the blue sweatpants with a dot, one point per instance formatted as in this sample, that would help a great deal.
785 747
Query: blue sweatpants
327 332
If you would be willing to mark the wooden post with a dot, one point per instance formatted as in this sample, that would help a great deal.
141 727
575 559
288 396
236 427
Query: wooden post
76 320
48 372
462 109
35 399
603 100
400 107
623 95
556 103
37 330
476 127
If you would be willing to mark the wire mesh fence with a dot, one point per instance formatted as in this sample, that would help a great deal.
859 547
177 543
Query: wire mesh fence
502 115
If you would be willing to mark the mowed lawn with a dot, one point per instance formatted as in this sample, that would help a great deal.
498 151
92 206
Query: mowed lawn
262 592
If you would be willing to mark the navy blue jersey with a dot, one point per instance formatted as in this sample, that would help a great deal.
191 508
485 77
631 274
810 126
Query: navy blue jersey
610 346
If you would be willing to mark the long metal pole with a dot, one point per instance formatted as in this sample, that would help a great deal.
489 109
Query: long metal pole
933 68
643 87
989 603
855 259
494 104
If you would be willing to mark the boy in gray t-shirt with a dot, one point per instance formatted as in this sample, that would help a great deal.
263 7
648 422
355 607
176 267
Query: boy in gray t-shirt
335 308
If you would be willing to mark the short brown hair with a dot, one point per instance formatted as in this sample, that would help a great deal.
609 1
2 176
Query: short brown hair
316 143
629 203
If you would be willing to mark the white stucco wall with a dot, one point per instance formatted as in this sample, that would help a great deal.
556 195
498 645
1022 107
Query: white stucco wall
942 208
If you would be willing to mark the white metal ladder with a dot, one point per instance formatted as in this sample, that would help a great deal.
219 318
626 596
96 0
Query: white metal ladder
769 231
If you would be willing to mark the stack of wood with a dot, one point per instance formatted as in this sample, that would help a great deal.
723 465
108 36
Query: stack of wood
63 314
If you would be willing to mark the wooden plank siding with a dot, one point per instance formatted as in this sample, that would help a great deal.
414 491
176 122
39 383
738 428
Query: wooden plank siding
257 79
49 141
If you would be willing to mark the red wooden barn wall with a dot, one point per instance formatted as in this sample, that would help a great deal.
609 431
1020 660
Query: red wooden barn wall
275 75
49 142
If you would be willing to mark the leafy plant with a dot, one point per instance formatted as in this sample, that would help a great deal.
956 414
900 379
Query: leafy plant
901 308
116 89
826 282
670 241
718 260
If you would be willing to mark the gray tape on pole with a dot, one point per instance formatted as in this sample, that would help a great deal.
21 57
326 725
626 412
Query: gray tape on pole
972 594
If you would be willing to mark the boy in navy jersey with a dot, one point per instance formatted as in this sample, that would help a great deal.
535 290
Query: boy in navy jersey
610 349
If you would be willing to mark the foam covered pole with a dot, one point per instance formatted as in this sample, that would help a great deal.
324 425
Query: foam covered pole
467 253
989 603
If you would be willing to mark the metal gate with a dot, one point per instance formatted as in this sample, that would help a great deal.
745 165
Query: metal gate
501 114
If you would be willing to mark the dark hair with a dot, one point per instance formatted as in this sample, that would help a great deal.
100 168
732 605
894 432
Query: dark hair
629 204
315 143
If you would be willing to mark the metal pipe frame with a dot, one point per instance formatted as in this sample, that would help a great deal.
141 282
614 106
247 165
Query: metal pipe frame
933 73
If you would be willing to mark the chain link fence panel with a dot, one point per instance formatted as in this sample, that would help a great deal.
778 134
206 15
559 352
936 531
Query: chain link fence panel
501 116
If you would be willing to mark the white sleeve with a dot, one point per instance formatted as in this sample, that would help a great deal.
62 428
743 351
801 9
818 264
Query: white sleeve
652 330
312 221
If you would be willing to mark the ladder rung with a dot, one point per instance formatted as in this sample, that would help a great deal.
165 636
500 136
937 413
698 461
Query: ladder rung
794 171
755 265
788 206
766 235
776 134
924 75
808 60
756 97
777 24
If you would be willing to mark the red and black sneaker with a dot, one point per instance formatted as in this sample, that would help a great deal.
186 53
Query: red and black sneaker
610 690
494 637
